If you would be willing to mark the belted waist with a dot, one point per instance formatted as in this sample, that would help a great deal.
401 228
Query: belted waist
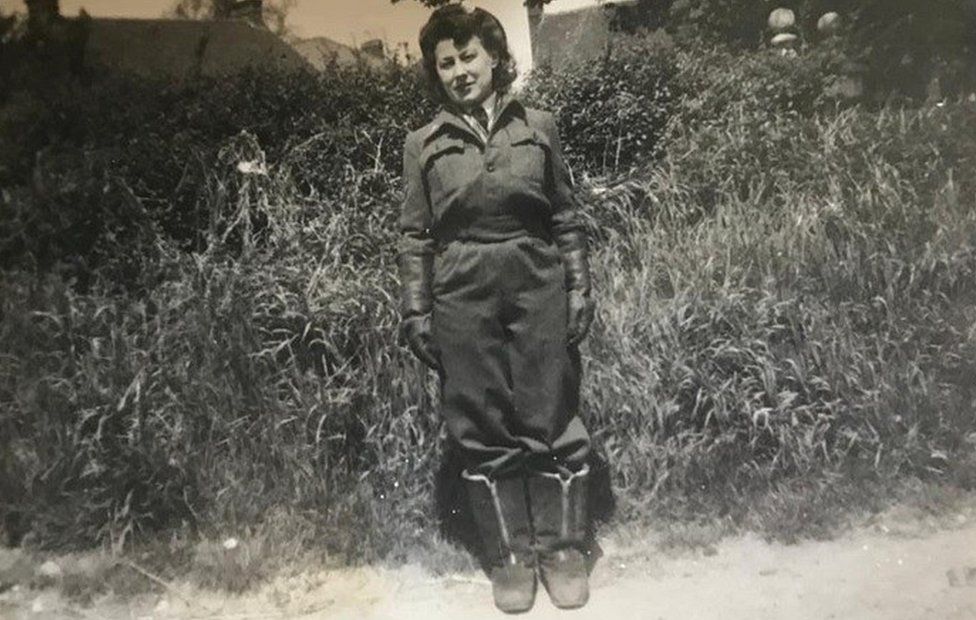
492 229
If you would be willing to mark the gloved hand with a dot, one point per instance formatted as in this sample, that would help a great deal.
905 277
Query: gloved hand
581 309
580 305
415 330
416 305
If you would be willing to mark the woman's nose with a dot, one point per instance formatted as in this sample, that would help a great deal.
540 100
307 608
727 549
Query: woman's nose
460 71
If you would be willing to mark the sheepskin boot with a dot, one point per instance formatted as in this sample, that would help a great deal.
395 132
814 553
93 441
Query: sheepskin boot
559 518
501 513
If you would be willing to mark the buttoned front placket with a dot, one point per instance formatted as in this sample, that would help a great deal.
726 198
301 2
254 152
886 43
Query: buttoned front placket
488 147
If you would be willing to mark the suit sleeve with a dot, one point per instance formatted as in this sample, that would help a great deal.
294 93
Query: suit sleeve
416 246
568 229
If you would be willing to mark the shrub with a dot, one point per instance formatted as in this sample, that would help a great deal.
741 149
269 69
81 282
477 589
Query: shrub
612 112
916 50
720 21
901 48
715 84
72 144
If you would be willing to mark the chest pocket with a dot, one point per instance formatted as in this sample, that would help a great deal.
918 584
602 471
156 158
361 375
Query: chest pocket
448 164
529 154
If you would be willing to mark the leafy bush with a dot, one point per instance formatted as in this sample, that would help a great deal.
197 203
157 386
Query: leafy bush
908 46
158 150
613 111
721 21
900 48
715 84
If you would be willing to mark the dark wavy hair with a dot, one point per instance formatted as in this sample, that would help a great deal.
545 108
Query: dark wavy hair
456 23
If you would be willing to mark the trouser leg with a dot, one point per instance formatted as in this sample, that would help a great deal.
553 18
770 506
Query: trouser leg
545 369
476 392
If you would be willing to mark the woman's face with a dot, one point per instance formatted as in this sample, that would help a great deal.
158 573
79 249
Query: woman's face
465 71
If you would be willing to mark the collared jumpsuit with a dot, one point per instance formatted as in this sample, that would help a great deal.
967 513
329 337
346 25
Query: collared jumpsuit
499 218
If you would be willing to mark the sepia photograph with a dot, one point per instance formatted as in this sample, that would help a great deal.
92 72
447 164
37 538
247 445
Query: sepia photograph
468 309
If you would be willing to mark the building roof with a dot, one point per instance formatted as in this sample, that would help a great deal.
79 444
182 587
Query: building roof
185 48
321 51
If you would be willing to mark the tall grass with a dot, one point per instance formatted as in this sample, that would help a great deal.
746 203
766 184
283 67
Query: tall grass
784 305
811 320
261 372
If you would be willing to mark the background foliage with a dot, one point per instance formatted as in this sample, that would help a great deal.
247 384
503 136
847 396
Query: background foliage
900 46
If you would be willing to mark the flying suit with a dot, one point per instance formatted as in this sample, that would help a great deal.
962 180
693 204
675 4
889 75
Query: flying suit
491 256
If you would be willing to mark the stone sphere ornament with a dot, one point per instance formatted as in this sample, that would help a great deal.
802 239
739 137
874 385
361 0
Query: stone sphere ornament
829 24
781 19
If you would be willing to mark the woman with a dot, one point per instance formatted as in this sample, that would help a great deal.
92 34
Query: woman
496 297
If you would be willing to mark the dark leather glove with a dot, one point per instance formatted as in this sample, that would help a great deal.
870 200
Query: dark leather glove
581 309
581 305
572 246
416 303
416 332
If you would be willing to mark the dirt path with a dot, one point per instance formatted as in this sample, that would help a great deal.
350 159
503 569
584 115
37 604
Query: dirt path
892 574
863 576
